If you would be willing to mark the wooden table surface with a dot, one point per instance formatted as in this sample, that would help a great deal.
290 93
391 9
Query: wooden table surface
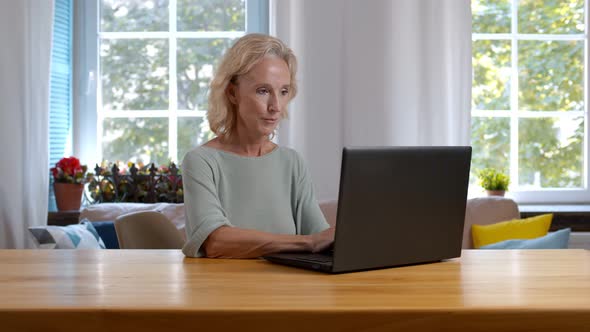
150 290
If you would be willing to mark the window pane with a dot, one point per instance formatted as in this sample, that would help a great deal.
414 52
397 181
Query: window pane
211 15
491 75
192 132
133 15
490 16
551 16
550 153
135 139
134 74
551 75
197 60
490 139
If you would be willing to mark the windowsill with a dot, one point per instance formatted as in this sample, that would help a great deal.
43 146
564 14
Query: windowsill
574 216
62 218
555 208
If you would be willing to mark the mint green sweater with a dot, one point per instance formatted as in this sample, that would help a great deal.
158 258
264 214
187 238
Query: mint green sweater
272 193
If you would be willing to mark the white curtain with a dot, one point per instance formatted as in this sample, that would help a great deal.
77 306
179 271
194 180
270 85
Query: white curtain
374 73
25 36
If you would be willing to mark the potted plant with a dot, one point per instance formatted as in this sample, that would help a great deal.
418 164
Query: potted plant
117 182
494 182
68 183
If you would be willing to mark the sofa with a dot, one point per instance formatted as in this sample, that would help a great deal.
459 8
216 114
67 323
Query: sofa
482 211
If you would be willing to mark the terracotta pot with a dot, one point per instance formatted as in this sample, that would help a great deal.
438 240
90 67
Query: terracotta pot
496 192
68 196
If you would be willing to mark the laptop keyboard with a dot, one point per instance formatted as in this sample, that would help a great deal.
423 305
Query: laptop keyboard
320 258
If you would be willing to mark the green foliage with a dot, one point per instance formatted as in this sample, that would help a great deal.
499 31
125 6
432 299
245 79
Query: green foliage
196 60
138 139
130 15
491 75
559 164
490 179
534 16
490 139
550 78
550 75
134 74
490 16
551 16
211 15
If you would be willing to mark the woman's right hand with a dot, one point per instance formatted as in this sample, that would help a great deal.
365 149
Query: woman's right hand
322 240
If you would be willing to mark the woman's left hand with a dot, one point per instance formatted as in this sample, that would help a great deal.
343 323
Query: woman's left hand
322 240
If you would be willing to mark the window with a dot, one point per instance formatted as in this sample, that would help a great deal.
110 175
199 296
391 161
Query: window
60 94
529 96
148 73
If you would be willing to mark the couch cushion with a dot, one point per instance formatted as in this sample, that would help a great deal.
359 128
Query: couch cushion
555 240
110 211
528 228
106 231
78 236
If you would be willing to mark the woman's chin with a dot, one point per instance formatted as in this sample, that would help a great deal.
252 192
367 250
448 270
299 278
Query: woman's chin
269 129
268 133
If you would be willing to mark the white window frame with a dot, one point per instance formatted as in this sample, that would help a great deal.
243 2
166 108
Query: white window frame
550 195
88 116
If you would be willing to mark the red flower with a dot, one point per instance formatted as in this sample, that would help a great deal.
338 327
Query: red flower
54 171
70 166
69 170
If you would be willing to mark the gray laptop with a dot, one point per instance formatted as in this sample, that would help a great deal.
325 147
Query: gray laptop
397 206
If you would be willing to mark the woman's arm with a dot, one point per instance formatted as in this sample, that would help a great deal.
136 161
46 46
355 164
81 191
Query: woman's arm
233 242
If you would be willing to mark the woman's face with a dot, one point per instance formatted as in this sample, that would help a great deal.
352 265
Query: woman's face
261 97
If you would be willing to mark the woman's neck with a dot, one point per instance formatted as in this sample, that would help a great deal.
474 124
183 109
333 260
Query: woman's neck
246 147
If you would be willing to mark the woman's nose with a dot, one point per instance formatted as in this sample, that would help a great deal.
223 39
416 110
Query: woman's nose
273 104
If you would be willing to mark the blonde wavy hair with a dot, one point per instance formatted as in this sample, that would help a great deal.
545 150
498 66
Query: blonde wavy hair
245 53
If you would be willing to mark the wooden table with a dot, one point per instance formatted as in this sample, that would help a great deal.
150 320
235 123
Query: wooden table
126 290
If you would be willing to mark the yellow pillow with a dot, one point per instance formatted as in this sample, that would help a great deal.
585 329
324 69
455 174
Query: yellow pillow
528 228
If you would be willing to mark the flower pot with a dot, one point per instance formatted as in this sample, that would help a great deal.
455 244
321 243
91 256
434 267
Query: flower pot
68 196
496 192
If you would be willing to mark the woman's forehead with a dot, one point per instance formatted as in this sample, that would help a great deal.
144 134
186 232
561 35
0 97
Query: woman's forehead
271 69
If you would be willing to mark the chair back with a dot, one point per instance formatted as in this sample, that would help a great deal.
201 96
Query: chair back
485 211
147 230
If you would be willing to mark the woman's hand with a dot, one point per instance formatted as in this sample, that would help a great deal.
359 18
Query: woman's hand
322 240
234 242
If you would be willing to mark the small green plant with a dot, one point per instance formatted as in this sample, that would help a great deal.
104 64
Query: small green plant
490 179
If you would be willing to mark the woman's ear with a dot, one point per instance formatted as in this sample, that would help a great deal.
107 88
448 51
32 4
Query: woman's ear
231 93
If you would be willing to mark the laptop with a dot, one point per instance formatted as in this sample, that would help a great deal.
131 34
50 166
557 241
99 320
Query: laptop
397 206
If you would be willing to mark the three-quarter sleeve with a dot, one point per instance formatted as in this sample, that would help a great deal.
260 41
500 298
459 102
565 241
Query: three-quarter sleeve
308 215
204 212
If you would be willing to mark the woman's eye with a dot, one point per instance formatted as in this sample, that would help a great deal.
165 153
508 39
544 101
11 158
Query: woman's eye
262 91
285 92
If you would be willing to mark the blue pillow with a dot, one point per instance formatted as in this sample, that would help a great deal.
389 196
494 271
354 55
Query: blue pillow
554 240
108 234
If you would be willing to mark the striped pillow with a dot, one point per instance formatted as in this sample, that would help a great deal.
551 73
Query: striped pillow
79 236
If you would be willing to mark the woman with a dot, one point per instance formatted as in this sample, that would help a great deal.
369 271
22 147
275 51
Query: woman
244 195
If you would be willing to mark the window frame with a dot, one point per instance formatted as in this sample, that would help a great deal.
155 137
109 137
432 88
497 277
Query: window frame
547 195
87 114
